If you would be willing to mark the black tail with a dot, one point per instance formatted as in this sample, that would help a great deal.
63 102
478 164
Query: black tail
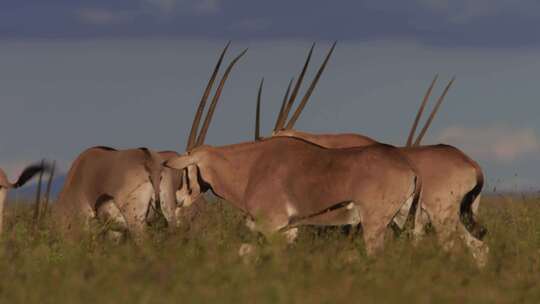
466 215
31 171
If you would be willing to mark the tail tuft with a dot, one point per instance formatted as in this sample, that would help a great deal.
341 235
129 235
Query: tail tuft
467 218
31 171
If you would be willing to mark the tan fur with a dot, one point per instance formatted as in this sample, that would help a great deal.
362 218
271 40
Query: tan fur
269 178
4 181
3 195
189 200
284 182
448 175
122 182
5 185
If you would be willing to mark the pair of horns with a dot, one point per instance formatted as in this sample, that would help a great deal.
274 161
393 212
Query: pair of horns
288 101
193 139
431 116
258 109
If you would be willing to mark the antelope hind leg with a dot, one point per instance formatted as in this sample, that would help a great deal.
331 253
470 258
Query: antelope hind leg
479 249
448 226
109 214
475 205
135 210
269 217
421 221
421 218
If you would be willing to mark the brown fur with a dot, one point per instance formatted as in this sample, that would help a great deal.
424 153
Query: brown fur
277 180
128 179
5 185
451 181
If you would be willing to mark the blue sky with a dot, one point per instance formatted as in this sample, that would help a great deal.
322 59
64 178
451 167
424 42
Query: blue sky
129 73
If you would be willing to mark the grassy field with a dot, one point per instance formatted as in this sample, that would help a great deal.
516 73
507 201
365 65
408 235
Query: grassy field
199 264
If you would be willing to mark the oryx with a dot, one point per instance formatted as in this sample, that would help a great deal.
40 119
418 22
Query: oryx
282 183
5 185
126 189
451 181
189 197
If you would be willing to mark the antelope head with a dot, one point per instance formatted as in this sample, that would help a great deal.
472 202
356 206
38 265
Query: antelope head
190 187
27 174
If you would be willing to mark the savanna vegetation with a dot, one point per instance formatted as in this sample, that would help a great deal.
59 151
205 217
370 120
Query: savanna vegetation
200 264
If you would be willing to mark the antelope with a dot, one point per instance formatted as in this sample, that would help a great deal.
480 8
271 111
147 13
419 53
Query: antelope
284 182
5 185
189 196
451 181
126 189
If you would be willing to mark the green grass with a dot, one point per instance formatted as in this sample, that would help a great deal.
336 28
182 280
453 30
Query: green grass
199 264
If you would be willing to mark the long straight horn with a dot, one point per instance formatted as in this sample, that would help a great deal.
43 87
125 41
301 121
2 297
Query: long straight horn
297 85
258 112
302 104
283 103
212 108
202 103
432 115
420 111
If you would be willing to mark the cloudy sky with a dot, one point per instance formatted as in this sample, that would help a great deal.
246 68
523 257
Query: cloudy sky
129 73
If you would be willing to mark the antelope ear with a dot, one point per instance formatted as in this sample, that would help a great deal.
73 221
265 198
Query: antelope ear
179 162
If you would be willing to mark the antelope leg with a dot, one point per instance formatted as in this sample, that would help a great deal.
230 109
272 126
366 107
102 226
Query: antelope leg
403 214
374 235
421 220
291 235
135 208
475 205
108 213
478 248
3 195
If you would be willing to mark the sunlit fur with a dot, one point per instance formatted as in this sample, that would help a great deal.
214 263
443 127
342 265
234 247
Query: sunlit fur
269 179
133 181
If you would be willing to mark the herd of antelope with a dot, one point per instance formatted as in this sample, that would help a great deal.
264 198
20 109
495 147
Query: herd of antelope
279 182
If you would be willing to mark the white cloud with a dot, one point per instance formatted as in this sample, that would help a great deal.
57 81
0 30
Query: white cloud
163 6
207 6
251 25
171 7
97 16
499 143
435 5
464 11
156 8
